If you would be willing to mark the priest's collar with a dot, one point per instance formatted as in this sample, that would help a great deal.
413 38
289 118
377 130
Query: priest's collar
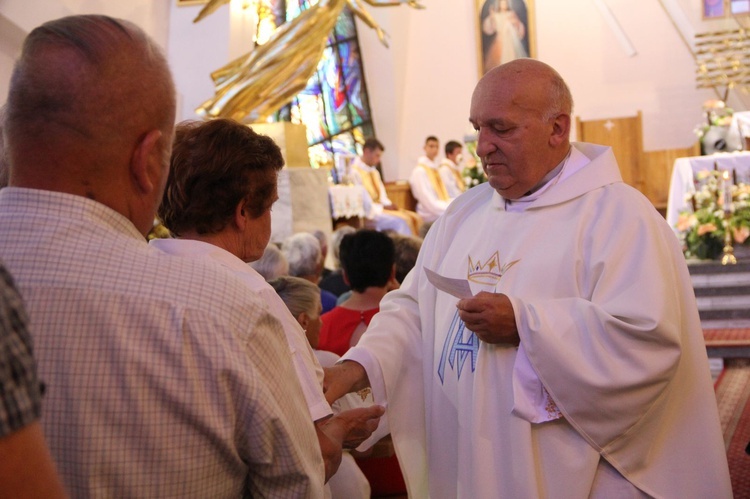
547 182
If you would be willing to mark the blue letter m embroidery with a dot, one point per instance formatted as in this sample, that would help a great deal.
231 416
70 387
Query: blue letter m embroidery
456 349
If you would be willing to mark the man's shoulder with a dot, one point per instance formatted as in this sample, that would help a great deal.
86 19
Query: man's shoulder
201 282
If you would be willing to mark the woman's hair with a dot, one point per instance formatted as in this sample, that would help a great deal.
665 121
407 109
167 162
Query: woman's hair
216 165
299 295
367 257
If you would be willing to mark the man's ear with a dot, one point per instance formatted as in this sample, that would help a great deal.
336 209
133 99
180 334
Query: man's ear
146 162
560 129
240 215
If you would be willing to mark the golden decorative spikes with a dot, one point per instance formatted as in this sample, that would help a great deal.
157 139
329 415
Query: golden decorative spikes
256 85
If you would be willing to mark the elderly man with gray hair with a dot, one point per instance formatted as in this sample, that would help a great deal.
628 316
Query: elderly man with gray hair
302 251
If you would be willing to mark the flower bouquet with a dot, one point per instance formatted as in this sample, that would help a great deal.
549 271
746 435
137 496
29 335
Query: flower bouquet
703 228
473 174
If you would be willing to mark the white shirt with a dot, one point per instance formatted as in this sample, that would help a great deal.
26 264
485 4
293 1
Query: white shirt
164 376
309 371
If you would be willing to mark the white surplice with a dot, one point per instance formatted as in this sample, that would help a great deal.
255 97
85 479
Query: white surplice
429 204
448 172
608 325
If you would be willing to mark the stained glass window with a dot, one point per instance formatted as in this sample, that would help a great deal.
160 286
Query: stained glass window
334 106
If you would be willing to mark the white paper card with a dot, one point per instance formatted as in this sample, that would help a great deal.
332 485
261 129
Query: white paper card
455 287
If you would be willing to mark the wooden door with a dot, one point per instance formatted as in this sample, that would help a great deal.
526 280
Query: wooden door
624 135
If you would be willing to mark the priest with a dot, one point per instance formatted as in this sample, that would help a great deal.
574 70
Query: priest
426 184
383 214
575 366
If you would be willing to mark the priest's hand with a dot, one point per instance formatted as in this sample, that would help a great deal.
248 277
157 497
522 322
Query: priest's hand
348 376
490 316
354 426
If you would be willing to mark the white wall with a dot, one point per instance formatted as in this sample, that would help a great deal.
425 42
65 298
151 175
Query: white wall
19 17
422 84
195 50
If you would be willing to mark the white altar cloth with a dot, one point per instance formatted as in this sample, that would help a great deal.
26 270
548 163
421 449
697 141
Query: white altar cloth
348 201
683 180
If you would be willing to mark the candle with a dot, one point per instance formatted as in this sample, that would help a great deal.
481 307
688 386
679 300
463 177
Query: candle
727 201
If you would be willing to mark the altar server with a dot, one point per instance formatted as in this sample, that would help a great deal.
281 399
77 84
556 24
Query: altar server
450 169
426 184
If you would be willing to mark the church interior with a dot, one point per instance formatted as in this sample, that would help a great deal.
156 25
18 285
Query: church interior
665 83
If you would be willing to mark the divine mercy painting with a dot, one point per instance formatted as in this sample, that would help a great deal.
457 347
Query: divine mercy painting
505 31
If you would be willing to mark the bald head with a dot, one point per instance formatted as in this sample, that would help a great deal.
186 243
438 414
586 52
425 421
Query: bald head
92 75
521 110
85 93
535 84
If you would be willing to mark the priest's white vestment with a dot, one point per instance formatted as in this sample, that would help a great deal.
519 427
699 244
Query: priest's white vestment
608 322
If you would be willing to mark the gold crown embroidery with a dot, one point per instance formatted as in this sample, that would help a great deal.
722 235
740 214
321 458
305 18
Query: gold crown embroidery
489 272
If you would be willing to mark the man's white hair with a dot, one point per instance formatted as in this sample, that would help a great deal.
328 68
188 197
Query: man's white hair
302 251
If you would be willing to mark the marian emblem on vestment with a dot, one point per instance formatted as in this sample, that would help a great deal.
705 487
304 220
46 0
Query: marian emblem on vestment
462 345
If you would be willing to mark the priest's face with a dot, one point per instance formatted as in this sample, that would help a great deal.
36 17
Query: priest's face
371 157
517 143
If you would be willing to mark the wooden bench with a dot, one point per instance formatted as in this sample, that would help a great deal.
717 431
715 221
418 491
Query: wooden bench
400 193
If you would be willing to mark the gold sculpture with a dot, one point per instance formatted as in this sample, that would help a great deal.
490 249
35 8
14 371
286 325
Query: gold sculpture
252 87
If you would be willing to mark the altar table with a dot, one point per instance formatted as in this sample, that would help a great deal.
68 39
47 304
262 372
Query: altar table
347 201
683 181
